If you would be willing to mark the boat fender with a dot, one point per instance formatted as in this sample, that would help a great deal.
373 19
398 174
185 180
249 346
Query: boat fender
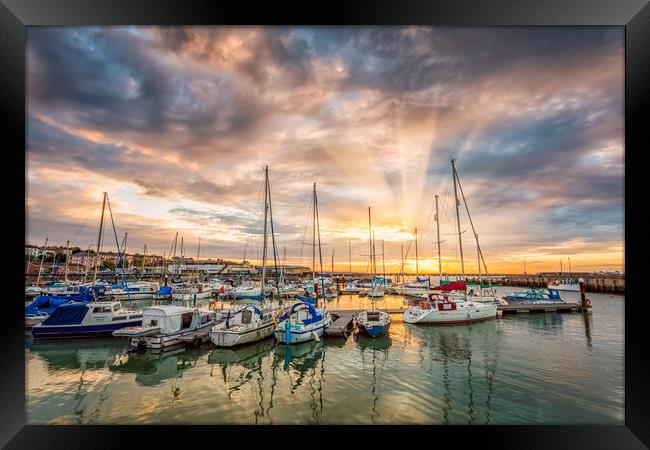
287 332
588 302
316 337
275 322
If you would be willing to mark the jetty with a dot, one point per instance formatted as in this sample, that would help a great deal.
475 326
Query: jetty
343 323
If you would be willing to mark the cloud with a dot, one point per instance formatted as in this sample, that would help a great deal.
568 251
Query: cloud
178 123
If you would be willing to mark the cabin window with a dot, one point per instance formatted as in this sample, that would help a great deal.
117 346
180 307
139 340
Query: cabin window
117 307
154 322
101 309
186 320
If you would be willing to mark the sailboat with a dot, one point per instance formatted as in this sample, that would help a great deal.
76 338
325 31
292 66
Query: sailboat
443 308
373 322
565 284
243 326
249 291
350 286
376 289
305 321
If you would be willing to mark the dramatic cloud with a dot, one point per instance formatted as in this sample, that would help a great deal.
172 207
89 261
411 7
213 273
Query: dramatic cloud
177 124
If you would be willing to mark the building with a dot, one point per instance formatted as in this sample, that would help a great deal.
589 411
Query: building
208 268
239 269
88 259
289 270
37 252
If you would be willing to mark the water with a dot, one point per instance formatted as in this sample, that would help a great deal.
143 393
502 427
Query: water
526 369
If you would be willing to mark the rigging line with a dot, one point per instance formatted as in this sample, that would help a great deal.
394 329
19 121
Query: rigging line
76 235
304 236
119 253
251 226
275 249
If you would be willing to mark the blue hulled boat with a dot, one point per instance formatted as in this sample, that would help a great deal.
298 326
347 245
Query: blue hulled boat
373 323
82 320
535 296
44 305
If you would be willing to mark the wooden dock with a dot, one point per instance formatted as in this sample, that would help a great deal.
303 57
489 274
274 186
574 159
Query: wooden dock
536 307
343 323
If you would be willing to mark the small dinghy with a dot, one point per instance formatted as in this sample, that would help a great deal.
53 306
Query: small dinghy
373 323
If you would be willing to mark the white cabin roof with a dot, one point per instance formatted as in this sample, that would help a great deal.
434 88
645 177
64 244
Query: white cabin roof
166 310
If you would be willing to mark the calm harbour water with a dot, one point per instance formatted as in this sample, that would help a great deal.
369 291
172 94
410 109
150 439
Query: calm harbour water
528 369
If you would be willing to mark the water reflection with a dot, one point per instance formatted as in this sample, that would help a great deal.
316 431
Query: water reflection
152 369
446 355
373 364
82 355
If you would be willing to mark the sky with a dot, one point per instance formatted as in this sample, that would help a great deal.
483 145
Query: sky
178 123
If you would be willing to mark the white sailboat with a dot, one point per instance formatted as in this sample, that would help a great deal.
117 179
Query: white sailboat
304 321
565 284
443 308
248 323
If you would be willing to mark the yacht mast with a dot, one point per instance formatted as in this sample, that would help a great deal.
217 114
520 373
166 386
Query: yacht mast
417 268
144 257
273 246
320 253
313 242
374 256
99 239
469 216
65 274
383 261
370 242
401 270
438 240
350 257
40 269
266 210
460 240
569 258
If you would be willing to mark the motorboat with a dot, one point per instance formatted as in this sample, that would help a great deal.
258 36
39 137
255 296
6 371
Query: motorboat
167 325
565 285
133 291
373 322
535 296
32 291
248 292
193 291
301 323
44 305
448 311
376 291
242 326
83 320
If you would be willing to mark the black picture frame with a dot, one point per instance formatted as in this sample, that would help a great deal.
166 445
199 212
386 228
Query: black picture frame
634 15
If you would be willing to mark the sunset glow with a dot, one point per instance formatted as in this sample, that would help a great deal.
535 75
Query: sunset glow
177 124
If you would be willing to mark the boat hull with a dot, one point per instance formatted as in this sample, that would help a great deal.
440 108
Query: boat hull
187 296
80 331
164 340
374 330
232 338
465 315
297 337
